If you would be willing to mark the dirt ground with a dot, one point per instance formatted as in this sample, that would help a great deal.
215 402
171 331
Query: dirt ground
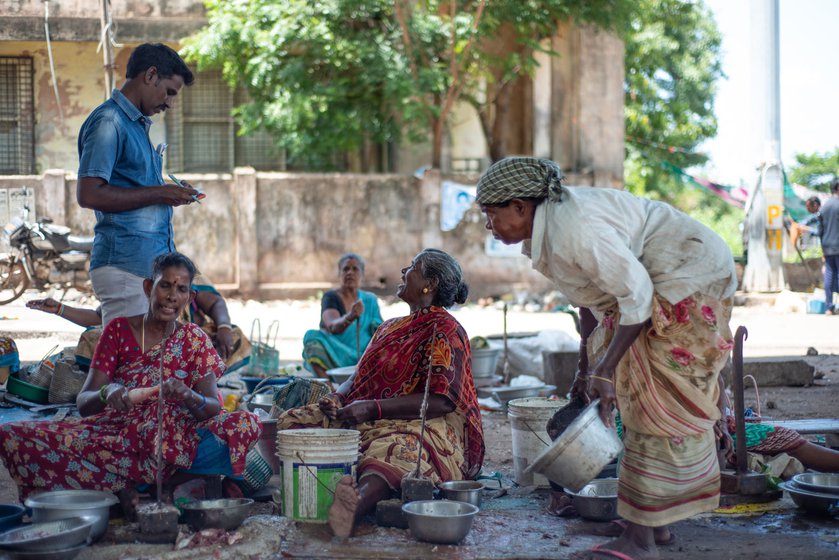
517 524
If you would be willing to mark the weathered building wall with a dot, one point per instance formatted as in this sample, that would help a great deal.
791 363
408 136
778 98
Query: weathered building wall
280 234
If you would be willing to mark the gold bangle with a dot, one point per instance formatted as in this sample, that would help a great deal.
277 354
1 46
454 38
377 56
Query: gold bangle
606 379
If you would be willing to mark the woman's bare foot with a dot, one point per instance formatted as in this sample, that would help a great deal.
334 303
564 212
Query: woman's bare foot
637 542
129 500
343 510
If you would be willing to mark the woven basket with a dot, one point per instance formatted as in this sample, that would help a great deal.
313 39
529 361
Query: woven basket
40 375
67 381
257 473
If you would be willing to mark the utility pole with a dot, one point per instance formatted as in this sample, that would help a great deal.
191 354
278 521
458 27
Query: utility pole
106 23
764 270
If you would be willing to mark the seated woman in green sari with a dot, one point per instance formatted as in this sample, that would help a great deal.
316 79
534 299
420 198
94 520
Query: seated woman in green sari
349 317
382 399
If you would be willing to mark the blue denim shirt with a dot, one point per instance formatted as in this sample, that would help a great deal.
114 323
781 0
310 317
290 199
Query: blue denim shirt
114 145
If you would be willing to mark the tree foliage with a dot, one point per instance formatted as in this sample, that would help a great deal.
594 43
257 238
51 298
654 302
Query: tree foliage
815 171
331 75
672 68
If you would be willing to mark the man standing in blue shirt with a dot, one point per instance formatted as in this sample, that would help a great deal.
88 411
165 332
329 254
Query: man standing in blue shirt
120 178
829 217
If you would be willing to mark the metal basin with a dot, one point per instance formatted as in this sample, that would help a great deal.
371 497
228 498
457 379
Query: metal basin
48 536
92 505
597 500
504 395
260 400
224 514
439 521
821 503
468 491
10 516
340 374
65 553
818 482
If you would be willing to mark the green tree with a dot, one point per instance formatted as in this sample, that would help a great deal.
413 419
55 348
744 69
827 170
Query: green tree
672 67
816 171
335 75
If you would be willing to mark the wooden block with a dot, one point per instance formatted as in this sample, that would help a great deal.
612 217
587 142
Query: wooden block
414 489
389 514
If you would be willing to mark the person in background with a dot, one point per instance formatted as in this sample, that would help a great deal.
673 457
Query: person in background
802 233
208 310
829 222
349 317
120 178
654 288
383 399
139 360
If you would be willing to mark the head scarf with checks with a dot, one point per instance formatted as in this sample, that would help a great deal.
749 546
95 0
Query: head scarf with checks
520 177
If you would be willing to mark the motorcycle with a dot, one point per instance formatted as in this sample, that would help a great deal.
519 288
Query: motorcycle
43 254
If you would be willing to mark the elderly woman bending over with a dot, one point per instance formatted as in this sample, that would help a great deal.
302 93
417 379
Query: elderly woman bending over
137 361
654 289
382 400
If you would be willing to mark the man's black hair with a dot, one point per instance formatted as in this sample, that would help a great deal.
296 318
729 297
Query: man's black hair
165 59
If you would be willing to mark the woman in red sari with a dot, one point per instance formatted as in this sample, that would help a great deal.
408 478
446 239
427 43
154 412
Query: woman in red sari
112 446
382 400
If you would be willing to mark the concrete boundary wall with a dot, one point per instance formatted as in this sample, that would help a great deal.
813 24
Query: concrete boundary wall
275 235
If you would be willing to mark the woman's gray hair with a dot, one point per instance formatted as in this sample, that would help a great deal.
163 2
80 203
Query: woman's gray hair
439 265
347 256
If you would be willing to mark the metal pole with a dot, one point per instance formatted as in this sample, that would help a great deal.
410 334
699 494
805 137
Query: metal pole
739 401
107 54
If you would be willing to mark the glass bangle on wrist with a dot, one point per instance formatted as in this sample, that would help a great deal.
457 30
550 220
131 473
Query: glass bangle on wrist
224 326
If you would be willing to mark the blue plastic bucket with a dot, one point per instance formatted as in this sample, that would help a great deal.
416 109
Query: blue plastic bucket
816 306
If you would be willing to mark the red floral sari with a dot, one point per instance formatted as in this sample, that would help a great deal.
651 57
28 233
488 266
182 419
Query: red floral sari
396 364
112 450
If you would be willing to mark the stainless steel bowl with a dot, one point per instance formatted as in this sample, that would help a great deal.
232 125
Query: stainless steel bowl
66 553
468 491
222 514
340 374
815 502
92 505
48 536
818 482
597 500
439 521
260 400
505 394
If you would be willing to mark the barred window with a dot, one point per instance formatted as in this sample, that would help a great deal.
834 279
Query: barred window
17 116
202 134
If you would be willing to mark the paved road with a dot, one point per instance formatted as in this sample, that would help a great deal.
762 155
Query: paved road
772 331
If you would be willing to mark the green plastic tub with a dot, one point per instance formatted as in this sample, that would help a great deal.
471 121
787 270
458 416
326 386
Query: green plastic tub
27 391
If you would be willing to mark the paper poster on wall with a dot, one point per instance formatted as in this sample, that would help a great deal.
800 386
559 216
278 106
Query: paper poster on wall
455 200
495 248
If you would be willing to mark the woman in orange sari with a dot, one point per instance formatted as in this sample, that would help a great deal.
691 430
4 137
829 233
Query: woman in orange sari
383 399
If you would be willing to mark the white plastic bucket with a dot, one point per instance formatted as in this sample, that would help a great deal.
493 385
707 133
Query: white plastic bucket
580 452
528 419
312 461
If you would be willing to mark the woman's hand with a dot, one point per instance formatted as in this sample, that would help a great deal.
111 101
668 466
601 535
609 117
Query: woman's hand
329 406
359 412
579 387
603 387
47 305
357 309
224 343
116 397
176 390
726 442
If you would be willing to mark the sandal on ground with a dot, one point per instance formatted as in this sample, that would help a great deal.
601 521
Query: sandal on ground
617 527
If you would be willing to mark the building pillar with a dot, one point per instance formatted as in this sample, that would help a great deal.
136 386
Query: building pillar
244 199
53 200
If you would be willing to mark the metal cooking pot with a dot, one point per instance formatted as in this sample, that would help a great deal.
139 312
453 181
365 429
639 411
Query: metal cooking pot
92 505
815 502
597 500
224 514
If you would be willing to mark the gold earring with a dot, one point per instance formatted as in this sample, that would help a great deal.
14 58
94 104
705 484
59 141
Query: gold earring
425 290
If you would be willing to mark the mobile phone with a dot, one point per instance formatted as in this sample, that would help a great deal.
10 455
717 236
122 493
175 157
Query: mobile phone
177 181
